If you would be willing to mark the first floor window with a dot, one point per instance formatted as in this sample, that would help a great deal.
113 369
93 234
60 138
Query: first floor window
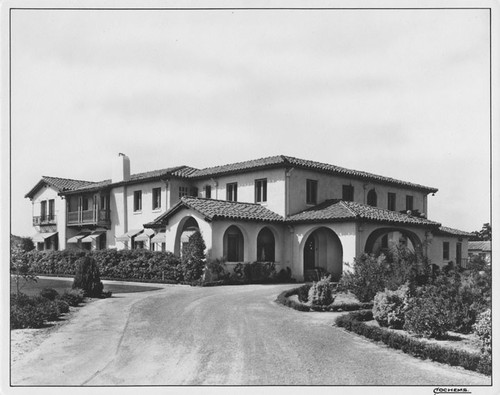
232 192
446 250
459 254
137 200
311 191
261 190
156 198
348 193
138 245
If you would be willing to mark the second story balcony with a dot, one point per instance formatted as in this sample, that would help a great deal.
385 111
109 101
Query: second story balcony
44 220
89 217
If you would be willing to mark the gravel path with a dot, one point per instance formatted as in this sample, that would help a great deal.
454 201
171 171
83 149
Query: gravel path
233 335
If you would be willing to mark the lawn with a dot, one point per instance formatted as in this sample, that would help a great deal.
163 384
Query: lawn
60 285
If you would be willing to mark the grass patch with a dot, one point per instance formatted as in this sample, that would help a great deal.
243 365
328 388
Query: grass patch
61 285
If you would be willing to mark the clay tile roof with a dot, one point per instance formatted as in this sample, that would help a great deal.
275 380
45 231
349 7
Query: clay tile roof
339 210
480 246
61 184
220 209
453 232
289 161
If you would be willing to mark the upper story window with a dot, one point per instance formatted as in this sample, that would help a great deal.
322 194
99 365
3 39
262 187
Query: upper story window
137 200
232 191
43 209
348 193
311 191
261 190
208 191
104 202
156 198
446 250
372 198
85 203
188 191
409 202
391 201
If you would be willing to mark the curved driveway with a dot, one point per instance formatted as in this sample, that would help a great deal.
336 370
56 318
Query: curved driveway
233 335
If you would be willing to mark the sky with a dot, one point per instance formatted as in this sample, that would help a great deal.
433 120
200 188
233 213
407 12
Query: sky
400 93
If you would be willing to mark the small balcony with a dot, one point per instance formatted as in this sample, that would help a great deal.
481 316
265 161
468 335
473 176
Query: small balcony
89 217
44 220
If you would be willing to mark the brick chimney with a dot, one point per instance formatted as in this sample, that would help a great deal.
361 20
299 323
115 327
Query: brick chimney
121 168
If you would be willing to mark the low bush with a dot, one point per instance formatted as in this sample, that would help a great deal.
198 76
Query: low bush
283 299
284 276
73 297
427 314
34 311
303 293
320 293
215 271
254 273
389 307
483 330
49 293
418 348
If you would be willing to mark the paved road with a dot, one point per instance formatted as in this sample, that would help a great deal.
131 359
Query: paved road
222 335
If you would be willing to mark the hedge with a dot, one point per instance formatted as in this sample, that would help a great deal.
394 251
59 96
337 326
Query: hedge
138 265
472 361
283 299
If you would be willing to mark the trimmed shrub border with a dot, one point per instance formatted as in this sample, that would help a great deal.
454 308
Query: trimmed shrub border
471 361
283 299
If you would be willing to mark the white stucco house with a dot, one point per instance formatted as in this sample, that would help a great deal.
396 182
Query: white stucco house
297 213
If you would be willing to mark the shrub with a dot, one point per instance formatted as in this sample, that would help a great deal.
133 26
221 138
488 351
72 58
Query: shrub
215 270
254 273
483 330
193 257
303 293
284 276
320 293
389 307
371 274
427 314
25 312
73 297
49 293
87 277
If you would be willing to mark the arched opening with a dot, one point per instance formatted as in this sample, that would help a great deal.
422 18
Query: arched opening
187 226
322 252
384 239
233 244
372 198
265 246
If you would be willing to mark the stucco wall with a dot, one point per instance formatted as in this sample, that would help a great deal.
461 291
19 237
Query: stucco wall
246 187
47 193
330 187
435 249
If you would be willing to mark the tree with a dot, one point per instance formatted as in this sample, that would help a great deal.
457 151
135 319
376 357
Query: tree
193 257
484 234
87 277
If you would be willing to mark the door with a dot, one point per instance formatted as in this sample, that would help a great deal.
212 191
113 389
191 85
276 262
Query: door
310 253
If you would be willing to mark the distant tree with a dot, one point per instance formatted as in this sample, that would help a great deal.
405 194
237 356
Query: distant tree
484 234
21 244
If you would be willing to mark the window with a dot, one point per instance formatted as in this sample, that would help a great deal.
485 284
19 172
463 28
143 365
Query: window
137 200
311 191
372 198
232 192
347 193
183 191
233 244
446 250
265 246
459 254
85 203
391 201
208 191
138 245
43 210
261 190
409 202
156 198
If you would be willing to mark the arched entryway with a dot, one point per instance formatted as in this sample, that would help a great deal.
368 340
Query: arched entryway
233 244
266 246
322 250
384 239
187 226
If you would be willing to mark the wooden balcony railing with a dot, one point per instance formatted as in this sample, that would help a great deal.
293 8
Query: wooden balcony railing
88 217
44 220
